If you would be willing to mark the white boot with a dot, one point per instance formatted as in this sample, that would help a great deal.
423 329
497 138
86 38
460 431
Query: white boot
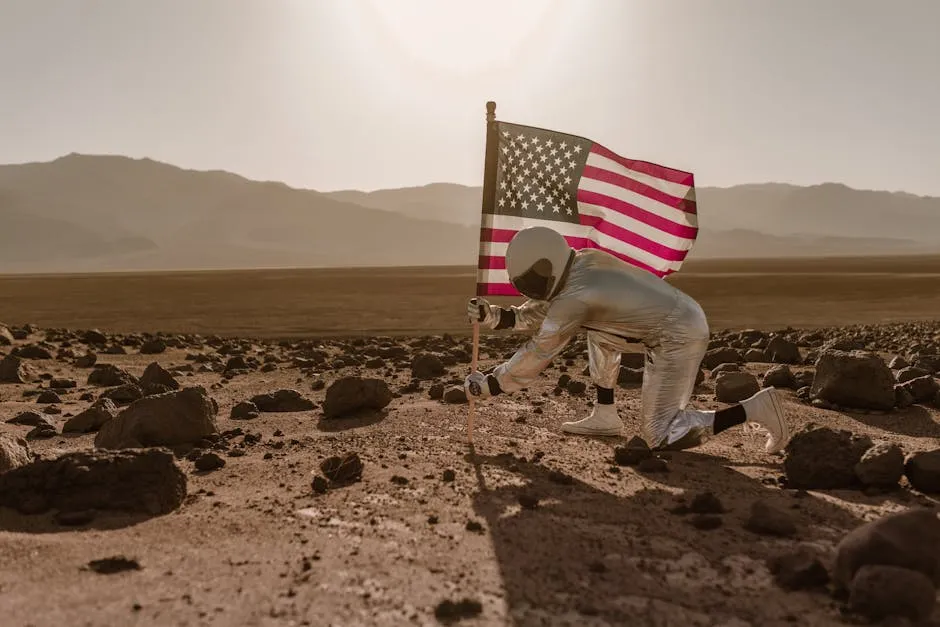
765 411
602 421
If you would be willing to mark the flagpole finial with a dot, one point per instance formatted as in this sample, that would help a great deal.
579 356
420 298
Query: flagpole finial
490 111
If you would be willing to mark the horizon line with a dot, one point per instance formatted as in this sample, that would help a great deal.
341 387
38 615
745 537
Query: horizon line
423 185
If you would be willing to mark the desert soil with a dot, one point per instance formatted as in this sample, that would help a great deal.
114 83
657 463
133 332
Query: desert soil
530 527
743 293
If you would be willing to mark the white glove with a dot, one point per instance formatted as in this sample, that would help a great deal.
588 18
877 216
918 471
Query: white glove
480 310
476 385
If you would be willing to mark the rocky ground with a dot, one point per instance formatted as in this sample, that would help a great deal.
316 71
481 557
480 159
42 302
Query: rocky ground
186 480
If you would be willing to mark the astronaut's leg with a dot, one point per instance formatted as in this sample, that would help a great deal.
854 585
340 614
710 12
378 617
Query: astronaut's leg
669 380
604 364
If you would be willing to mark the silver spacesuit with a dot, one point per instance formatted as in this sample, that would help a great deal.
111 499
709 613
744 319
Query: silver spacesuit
616 304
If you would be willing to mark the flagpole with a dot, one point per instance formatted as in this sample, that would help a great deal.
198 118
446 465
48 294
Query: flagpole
489 188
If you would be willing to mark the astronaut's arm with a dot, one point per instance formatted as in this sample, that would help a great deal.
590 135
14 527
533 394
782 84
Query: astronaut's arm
560 325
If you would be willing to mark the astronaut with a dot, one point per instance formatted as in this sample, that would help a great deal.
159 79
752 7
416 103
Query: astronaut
615 303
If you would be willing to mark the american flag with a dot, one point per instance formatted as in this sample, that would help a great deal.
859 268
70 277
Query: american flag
638 211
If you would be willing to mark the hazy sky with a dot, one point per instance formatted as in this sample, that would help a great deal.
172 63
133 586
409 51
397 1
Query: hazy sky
333 94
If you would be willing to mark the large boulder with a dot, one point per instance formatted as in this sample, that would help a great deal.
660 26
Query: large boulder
173 418
722 355
109 375
147 481
734 387
14 369
427 366
824 459
855 379
783 351
908 539
156 376
923 471
282 401
351 394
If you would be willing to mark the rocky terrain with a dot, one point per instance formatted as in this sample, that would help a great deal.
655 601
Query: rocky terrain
196 480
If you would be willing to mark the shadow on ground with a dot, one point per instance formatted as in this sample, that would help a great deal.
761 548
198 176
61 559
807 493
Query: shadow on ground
13 521
914 421
587 556
356 421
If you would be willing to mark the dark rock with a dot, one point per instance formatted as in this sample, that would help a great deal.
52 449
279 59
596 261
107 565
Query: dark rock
906 374
42 432
766 519
15 370
342 470
88 360
823 459
902 397
853 379
718 356
153 347
282 401
455 394
881 466
112 565
146 481
922 389
246 410
170 419
801 569
908 539
635 451
14 452
29 419
124 394
209 461
653 465
756 356
898 363
351 394
427 366
706 503
448 611
783 351
733 387
32 351
576 388
94 336
436 391
109 375
923 471
155 374
717 370
62 384
779 377
878 592
93 418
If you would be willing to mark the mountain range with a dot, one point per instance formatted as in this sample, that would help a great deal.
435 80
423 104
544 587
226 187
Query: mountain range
87 213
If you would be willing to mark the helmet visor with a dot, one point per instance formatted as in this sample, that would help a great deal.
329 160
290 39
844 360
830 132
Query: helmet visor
537 281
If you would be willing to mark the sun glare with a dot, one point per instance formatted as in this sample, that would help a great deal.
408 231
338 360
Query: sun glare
456 36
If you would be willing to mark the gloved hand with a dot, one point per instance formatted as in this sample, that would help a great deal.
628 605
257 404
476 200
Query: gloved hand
476 385
480 310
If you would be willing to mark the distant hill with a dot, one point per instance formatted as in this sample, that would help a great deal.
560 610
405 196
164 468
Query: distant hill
115 213
96 213
768 219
